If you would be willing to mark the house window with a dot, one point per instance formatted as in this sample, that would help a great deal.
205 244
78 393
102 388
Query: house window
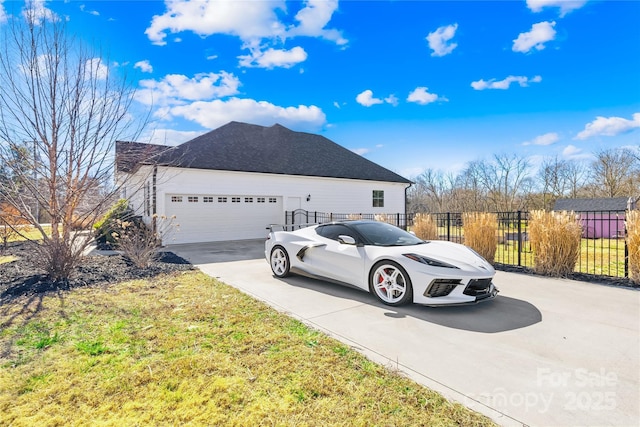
176 199
235 200
378 198
261 199
222 200
192 199
207 199
272 200
248 199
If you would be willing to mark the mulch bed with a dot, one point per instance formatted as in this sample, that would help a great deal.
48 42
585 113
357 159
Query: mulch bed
26 277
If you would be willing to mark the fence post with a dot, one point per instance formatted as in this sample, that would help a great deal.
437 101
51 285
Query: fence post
519 238
626 248
448 226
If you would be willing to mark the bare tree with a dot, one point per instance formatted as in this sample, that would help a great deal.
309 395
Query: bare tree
505 180
432 190
63 103
615 173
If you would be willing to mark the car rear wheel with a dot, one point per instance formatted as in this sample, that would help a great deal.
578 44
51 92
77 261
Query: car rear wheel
390 283
279 262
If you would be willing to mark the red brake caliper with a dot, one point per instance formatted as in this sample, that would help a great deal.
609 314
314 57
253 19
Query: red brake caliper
380 280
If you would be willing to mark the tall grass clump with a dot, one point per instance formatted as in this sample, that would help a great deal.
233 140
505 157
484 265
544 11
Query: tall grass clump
555 241
633 244
480 233
425 227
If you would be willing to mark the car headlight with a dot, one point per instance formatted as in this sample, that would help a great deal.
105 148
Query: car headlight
429 261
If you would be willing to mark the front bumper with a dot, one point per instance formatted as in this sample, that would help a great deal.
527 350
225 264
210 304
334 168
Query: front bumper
447 292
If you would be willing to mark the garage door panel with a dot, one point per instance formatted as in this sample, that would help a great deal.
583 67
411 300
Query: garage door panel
221 217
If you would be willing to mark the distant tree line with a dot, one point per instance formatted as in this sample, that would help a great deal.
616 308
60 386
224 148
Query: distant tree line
510 183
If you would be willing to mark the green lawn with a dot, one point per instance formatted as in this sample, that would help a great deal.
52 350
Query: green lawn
186 349
597 256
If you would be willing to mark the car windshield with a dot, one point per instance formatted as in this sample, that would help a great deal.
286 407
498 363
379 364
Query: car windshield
383 234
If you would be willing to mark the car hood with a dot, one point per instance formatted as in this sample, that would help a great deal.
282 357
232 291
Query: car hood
452 253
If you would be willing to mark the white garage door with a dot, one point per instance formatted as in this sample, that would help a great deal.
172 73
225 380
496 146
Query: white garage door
208 218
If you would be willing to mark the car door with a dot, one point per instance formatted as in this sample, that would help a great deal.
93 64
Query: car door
335 260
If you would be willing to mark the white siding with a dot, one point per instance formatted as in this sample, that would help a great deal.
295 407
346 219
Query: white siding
244 222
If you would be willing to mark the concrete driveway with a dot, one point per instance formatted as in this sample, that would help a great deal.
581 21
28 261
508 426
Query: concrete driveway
547 352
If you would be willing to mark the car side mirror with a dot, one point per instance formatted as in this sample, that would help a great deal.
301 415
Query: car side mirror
346 240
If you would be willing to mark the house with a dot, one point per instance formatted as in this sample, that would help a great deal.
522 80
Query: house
232 182
599 217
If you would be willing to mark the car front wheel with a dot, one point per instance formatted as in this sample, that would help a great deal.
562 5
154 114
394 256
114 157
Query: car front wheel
390 283
279 262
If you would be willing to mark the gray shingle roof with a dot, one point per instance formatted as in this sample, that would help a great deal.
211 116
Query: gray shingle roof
251 148
595 204
129 154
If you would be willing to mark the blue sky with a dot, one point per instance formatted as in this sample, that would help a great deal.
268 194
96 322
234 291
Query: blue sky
410 85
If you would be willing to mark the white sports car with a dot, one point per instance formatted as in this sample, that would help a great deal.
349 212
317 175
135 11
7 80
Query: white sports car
394 265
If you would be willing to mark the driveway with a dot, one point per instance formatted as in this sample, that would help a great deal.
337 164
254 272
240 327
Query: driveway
548 352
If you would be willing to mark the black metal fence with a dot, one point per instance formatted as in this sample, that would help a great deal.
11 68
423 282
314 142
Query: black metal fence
603 249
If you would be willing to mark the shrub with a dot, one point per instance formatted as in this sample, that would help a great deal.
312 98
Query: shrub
633 244
136 240
424 225
480 230
139 242
105 227
555 240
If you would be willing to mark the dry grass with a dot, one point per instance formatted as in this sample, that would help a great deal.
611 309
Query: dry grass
480 233
186 349
425 227
555 240
6 259
389 219
633 244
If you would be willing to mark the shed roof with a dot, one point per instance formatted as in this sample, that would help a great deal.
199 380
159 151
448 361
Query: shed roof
246 147
593 204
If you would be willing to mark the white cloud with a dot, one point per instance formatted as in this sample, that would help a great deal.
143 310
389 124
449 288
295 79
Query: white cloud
565 6
83 8
421 95
366 98
392 99
169 136
361 151
212 57
505 83
96 69
178 88
144 66
36 12
571 152
3 13
609 126
256 23
439 40
546 139
272 58
540 33
212 114
248 20
313 19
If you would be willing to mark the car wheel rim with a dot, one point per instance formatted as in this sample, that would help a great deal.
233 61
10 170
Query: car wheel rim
278 262
389 283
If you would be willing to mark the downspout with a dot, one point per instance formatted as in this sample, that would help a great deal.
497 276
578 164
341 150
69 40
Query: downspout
406 204
153 197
